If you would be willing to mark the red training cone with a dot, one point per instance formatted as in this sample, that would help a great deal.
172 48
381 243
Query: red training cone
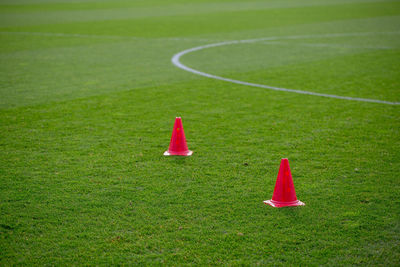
284 193
178 146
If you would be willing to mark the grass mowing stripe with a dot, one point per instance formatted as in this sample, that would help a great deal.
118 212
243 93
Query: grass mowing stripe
14 15
53 34
208 23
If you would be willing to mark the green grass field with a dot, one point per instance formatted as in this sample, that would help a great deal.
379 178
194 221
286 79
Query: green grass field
88 98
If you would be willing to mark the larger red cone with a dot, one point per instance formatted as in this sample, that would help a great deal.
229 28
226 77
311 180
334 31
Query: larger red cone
178 146
284 193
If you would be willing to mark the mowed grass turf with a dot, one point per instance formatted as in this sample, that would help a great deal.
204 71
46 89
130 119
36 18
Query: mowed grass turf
88 98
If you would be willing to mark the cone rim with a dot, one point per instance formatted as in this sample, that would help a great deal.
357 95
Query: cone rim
279 204
174 153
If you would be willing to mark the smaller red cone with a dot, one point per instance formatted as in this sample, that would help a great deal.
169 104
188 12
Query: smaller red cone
178 146
284 193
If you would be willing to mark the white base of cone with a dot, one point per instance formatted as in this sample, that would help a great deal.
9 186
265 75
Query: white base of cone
276 204
187 153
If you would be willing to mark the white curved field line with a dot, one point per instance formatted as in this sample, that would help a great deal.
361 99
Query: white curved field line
176 61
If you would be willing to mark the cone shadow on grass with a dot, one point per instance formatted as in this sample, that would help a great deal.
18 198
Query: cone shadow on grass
178 160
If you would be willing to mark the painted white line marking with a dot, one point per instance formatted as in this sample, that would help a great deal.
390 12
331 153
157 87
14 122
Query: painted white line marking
323 45
176 61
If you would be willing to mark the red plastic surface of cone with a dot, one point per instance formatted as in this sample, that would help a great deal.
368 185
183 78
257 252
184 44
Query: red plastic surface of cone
284 193
178 146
